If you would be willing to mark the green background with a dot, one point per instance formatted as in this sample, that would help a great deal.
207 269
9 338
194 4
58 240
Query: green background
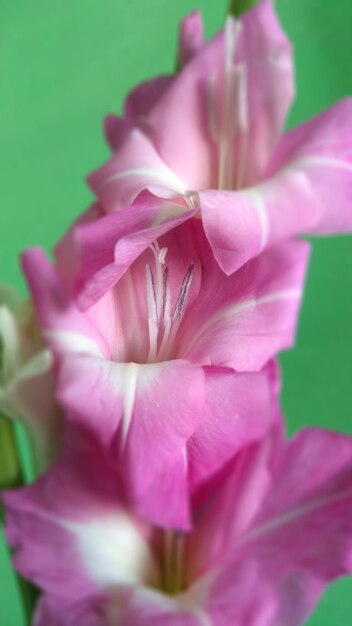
63 65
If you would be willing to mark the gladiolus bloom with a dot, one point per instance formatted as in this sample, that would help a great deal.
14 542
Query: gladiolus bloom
274 532
139 366
211 136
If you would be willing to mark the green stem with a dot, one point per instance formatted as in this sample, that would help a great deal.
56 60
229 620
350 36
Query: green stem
237 7
11 476
29 595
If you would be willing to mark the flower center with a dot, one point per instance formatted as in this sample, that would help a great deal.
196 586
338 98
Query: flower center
163 323
173 562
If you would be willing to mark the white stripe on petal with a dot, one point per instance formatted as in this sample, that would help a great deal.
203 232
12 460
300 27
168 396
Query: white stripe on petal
318 161
295 513
252 303
191 601
259 204
69 341
128 385
202 617
113 551
162 176
171 210
235 309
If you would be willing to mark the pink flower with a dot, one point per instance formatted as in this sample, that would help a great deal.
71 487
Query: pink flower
276 529
156 358
209 137
26 378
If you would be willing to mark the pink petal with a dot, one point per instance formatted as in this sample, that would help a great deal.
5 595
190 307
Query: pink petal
135 167
243 320
65 253
321 151
116 129
169 153
107 248
239 411
63 325
307 188
307 511
147 607
141 100
241 595
76 510
233 504
137 106
54 612
187 142
240 225
300 538
191 37
145 415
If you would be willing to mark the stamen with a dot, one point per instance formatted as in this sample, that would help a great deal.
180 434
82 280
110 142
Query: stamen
152 315
183 295
166 316
151 297
159 256
166 297
192 199
162 255
162 327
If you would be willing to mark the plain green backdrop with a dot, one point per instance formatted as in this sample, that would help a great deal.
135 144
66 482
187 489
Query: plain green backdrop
63 65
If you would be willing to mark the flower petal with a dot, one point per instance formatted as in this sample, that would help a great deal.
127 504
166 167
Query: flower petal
76 510
105 249
143 414
135 167
191 37
147 607
187 142
321 151
65 251
136 108
307 189
63 325
300 539
169 153
239 411
54 612
253 314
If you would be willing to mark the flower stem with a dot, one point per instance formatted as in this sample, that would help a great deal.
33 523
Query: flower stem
237 7
11 476
29 595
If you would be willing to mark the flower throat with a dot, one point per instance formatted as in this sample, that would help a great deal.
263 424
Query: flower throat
163 323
